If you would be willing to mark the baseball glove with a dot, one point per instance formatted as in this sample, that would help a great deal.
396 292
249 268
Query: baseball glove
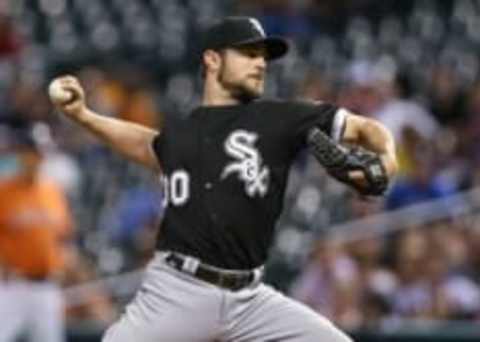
339 161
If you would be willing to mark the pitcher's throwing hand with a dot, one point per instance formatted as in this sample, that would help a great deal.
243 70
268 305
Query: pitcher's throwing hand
67 94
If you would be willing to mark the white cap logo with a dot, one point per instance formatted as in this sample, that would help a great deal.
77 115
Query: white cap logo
256 24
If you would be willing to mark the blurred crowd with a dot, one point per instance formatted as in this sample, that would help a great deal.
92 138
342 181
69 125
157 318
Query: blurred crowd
410 64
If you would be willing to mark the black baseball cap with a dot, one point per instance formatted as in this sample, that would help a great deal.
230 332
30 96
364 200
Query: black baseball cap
238 31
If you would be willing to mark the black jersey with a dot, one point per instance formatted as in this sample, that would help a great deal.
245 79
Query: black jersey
225 171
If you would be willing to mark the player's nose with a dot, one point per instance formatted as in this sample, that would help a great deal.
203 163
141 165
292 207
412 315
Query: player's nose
260 64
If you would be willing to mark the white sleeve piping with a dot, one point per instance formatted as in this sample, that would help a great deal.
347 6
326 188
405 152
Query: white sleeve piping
338 126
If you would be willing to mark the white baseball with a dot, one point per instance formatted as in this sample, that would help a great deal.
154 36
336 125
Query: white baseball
57 93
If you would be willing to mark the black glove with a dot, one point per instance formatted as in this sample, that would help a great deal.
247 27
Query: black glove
339 161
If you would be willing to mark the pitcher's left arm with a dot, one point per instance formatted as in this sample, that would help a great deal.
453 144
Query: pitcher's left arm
374 136
364 158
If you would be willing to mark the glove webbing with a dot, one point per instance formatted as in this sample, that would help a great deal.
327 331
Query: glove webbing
329 154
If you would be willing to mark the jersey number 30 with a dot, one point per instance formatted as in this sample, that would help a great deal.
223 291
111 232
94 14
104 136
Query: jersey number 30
176 188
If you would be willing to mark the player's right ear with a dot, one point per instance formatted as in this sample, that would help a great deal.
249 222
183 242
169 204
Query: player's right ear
212 60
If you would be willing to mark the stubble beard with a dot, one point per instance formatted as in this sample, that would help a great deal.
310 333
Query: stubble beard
239 90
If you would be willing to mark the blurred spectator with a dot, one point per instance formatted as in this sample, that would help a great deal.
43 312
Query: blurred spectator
428 288
35 226
446 95
10 42
470 129
92 305
473 242
133 222
412 297
140 108
421 183
377 281
27 103
401 111
362 90
329 285
129 100
453 296
316 87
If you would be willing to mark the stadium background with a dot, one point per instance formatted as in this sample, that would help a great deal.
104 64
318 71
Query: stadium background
403 269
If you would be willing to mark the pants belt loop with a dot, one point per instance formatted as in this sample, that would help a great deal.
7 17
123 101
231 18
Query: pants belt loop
258 274
190 264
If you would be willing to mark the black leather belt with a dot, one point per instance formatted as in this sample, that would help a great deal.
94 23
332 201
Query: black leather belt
232 280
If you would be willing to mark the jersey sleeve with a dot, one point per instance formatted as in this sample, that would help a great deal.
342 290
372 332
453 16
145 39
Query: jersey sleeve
306 115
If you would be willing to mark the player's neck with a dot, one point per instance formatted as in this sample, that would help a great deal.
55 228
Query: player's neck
215 95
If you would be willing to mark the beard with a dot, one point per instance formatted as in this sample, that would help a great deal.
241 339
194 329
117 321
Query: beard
239 90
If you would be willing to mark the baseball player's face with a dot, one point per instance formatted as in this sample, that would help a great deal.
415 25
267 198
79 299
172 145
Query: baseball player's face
243 71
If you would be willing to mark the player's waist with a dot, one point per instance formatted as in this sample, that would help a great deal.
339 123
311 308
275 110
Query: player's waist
230 279
225 247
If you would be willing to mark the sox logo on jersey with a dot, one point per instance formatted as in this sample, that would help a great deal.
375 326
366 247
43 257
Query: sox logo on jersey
240 144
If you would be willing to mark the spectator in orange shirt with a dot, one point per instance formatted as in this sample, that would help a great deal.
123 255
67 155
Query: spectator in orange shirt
35 224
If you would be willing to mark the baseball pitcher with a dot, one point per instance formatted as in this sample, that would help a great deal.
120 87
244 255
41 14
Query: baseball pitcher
224 171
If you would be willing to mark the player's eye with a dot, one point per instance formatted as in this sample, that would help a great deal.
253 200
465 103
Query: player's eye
253 52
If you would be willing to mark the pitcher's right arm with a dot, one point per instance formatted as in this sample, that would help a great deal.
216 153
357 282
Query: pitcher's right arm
132 140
